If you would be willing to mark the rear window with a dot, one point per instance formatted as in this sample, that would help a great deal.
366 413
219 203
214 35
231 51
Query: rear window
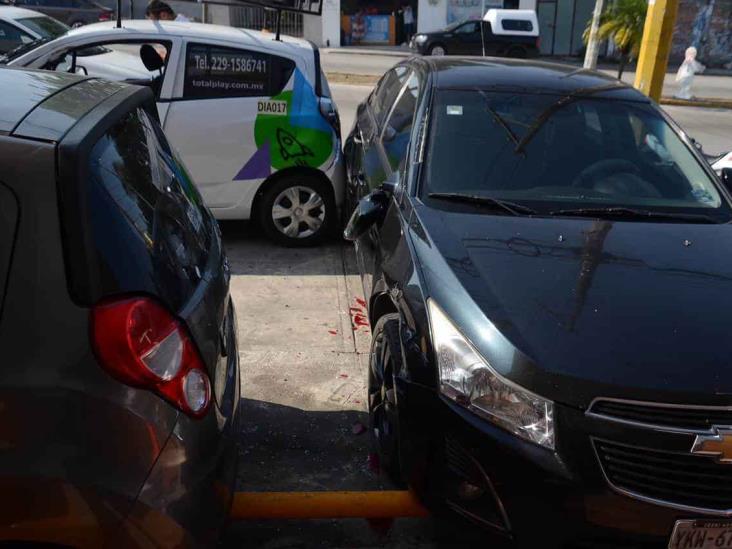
148 221
8 221
214 72
517 25
45 27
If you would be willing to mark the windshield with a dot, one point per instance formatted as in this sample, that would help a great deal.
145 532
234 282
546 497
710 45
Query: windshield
453 26
46 27
23 49
553 153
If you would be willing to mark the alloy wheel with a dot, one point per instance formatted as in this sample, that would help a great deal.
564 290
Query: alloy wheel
437 50
298 212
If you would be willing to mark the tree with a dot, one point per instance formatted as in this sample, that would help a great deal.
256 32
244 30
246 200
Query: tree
623 23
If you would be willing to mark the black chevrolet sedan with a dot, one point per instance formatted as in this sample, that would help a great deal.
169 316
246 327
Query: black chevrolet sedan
547 261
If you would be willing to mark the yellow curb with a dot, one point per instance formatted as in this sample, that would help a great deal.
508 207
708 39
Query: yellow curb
711 103
326 505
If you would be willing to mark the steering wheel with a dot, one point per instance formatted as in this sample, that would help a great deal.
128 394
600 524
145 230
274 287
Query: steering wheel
601 177
603 169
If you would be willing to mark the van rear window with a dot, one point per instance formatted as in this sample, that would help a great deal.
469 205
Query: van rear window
213 71
517 25
148 222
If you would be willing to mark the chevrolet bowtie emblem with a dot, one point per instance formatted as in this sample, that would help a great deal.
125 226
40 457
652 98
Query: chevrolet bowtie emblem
717 445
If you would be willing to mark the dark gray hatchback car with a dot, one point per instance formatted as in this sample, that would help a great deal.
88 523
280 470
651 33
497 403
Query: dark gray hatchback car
119 374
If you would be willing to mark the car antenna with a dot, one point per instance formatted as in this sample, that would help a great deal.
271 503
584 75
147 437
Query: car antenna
279 20
119 14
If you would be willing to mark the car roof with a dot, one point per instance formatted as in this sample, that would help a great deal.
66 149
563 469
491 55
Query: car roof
516 75
198 31
12 13
44 105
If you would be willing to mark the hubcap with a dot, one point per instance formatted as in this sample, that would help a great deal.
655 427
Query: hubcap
298 212
438 50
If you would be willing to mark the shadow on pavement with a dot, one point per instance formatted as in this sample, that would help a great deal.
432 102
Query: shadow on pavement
287 449
250 253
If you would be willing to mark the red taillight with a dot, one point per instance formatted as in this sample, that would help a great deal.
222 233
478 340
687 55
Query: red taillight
141 344
105 16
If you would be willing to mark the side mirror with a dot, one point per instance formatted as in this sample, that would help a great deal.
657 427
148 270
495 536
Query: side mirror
80 69
369 210
726 177
392 183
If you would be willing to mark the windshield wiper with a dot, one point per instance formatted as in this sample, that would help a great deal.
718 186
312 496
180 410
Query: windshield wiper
633 213
24 48
485 201
559 104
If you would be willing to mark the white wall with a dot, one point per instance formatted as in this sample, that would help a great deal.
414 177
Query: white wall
431 17
527 5
326 29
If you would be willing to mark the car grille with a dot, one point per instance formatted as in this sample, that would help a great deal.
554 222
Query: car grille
676 417
670 477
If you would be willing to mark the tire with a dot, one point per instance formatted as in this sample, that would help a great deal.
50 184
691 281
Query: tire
77 24
314 223
384 360
516 53
437 49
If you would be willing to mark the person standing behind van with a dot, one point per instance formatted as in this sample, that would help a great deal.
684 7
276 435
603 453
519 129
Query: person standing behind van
408 22
157 10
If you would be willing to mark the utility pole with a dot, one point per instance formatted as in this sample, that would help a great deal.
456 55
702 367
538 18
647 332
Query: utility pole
655 47
593 44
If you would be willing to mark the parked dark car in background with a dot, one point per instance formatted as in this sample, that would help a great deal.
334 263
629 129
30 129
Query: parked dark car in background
120 381
74 13
548 267
501 33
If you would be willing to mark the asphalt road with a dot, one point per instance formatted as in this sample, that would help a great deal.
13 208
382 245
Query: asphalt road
343 61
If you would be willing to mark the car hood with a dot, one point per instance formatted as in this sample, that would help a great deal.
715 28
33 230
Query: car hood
575 309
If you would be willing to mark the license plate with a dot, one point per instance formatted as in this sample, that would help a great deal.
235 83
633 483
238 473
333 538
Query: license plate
701 534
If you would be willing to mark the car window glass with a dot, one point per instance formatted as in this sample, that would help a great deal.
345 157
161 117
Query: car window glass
8 221
213 71
11 37
46 27
468 28
387 92
517 25
144 209
129 56
397 129
559 152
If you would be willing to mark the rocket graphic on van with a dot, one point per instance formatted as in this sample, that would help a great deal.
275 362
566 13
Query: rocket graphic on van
290 147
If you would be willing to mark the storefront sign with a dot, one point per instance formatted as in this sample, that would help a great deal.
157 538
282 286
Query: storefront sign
376 28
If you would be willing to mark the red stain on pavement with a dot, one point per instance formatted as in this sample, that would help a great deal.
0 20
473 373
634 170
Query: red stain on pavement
333 332
359 317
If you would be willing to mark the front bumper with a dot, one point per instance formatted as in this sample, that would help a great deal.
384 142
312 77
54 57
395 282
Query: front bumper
421 48
533 496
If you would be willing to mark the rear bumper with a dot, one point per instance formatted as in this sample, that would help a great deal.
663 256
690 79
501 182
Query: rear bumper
187 496
530 495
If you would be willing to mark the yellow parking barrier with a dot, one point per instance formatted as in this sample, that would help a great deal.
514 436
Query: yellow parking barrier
326 505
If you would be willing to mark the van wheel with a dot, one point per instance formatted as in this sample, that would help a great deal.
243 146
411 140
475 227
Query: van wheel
437 49
384 361
297 210
516 53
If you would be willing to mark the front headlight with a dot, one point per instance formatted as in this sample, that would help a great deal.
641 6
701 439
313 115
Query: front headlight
468 379
420 39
